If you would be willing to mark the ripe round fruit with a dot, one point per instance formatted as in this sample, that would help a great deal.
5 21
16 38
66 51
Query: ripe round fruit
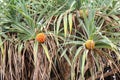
90 44
41 37
82 12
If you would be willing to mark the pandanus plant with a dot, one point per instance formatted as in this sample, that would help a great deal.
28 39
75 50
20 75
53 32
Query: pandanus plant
90 48
78 39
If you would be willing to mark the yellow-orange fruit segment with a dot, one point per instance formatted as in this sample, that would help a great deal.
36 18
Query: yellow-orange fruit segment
90 44
41 37
82 12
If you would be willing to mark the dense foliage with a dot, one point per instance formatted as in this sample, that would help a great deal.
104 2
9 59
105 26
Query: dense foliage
81 39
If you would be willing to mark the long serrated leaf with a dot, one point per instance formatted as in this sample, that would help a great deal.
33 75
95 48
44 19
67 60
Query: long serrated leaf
83 62
59 22
70 22
117 53
20 47
64 52
1 46
67 58
46 51
35 51
74 42
1 42
65 25
76 54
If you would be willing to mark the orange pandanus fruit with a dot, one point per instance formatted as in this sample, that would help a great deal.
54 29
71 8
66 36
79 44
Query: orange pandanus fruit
41 37
90 44
82 13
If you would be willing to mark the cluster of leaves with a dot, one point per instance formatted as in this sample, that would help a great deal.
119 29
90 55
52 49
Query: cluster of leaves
63 55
